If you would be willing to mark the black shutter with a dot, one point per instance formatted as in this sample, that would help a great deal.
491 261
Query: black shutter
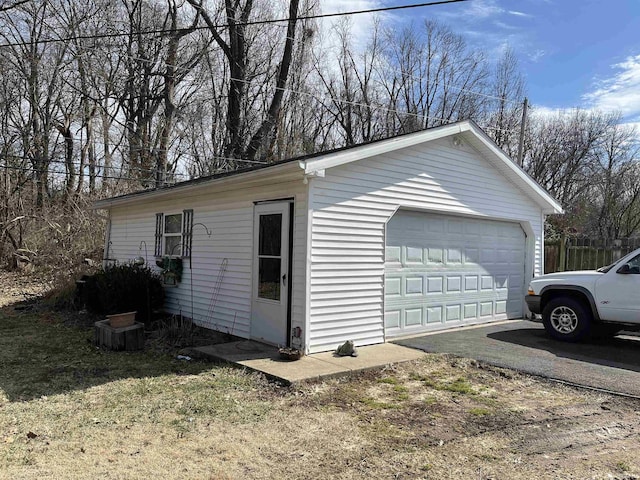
187 232
158 249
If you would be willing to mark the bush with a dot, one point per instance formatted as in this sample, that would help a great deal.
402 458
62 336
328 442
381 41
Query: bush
125 288
63 297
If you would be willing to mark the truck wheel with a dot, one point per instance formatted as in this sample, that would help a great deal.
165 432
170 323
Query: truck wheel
567 319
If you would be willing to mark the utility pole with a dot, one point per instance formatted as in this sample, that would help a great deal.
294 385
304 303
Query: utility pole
523 123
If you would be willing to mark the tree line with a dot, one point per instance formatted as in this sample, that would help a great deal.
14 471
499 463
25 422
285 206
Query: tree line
103 97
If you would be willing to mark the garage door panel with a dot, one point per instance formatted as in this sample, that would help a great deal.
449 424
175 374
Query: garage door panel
435 285
471 256
392 319
413 255
434 314
486 309
392 255
442 270
392 287
470 310
413 317
435 256
414 286
471 283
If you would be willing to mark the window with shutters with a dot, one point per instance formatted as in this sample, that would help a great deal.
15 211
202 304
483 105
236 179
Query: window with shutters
174 234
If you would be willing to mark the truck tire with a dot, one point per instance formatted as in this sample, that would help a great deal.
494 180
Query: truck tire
567 319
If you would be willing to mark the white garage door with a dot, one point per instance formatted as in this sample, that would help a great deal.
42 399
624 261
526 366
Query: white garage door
442 271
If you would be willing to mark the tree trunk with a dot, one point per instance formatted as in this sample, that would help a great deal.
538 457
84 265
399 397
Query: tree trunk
267 130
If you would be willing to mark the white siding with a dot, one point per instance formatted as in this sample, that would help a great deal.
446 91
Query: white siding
229 215
351 205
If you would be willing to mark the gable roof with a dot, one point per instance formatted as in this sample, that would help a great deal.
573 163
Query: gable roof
315 164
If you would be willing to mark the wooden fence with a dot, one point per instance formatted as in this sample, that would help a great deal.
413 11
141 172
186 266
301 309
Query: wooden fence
581 253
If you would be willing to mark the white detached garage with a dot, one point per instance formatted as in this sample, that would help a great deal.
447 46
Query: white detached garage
425 231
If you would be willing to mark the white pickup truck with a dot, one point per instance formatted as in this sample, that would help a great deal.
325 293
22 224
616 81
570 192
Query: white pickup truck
577 305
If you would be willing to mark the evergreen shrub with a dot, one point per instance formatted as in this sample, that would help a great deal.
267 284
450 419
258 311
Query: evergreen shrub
125 288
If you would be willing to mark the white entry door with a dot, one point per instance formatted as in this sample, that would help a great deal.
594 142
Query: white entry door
270 273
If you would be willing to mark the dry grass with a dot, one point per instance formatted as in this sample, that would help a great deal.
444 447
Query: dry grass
69 410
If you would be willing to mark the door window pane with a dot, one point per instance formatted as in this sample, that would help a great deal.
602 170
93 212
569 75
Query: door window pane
269 278
270 234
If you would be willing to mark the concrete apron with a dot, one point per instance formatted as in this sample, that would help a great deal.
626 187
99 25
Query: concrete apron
266 359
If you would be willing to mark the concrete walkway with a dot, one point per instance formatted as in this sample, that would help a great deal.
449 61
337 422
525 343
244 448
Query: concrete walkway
266 359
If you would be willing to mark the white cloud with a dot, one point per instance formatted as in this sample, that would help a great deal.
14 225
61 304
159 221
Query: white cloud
621 92
489 25
536 55
505 26
635 125
540 111
519 14
481 9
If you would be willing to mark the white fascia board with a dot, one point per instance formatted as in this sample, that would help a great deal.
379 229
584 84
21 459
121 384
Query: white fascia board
191 187
550 205
377 148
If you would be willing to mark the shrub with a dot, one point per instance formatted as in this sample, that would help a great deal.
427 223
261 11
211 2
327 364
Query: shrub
125 288
63 297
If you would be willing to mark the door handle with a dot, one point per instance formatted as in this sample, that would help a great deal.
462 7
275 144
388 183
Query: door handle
284 279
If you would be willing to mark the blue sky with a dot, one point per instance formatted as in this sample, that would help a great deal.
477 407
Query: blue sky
573 53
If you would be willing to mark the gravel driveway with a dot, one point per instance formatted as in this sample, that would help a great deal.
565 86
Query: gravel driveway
612 364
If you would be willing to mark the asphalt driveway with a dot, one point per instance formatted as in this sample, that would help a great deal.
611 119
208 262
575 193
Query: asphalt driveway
611 364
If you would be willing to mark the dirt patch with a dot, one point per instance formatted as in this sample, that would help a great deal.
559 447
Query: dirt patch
453 418
20 286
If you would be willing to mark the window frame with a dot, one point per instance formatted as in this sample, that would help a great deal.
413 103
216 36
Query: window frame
185 234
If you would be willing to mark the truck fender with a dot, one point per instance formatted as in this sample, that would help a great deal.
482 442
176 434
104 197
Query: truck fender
575 288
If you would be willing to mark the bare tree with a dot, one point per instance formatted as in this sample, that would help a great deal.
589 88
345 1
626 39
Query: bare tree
39 66
436 75
616 183
238 57
560 151
506 94
351 97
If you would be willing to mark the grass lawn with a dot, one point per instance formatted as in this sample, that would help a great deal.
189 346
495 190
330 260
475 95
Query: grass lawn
69 410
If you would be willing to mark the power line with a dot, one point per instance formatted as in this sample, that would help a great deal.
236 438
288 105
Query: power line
76 164
83 166
33 170
465 90
380 107
224 25
150 171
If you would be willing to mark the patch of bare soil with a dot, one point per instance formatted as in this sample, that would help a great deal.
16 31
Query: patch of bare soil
451 418
18 286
